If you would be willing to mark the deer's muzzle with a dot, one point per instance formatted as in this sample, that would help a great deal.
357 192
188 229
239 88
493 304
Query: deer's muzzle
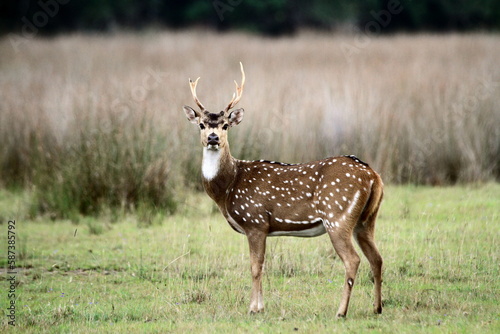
213 139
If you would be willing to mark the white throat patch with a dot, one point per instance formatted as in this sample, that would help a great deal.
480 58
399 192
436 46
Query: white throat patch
211 163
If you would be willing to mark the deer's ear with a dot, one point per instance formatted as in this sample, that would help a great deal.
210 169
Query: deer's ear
236 116
192 115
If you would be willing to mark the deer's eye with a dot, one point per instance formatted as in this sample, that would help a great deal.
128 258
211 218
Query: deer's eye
225 127
202 126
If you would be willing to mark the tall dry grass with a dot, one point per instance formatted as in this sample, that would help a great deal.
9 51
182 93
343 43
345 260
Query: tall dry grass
93 121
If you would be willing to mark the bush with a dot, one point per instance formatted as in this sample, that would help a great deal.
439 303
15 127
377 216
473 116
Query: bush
118 166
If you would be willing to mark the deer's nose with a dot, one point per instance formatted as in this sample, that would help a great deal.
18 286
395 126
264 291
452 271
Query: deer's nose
213 139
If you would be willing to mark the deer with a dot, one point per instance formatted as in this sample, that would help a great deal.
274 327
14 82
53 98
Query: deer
339 195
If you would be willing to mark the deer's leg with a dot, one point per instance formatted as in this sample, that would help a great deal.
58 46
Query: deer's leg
344 248
257 243
365 238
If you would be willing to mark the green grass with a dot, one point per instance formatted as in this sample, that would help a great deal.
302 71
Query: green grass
190 271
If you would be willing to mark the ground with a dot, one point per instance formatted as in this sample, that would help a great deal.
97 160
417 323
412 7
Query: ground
190 271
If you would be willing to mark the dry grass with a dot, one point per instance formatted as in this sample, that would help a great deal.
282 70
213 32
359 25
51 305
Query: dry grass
107 109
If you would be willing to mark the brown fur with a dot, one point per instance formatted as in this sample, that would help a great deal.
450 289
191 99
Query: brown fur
340 196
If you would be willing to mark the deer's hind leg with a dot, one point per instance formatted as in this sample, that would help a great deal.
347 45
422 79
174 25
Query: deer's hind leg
342 242
364 234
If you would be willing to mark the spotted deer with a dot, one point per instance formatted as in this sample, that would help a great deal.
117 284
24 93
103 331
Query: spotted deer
339 196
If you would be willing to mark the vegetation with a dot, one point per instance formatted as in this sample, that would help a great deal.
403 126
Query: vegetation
270 17
92 123
100 169
190 271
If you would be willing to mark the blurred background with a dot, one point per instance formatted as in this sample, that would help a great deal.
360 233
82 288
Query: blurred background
273 17
91 93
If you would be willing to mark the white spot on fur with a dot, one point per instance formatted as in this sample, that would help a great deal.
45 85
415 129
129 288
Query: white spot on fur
354 201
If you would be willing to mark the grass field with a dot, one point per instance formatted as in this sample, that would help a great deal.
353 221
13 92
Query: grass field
100 170
92 122
189 272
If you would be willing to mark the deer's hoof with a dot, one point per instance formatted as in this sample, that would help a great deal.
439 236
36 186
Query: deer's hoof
255 311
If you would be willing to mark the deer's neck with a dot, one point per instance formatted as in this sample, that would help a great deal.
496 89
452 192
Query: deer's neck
219 171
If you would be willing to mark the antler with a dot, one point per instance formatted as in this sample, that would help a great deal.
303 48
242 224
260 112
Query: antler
239 91
193 91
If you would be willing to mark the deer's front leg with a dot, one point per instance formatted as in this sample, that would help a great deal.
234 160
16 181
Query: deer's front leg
257 243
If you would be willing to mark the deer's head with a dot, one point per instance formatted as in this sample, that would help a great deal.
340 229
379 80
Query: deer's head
214 126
